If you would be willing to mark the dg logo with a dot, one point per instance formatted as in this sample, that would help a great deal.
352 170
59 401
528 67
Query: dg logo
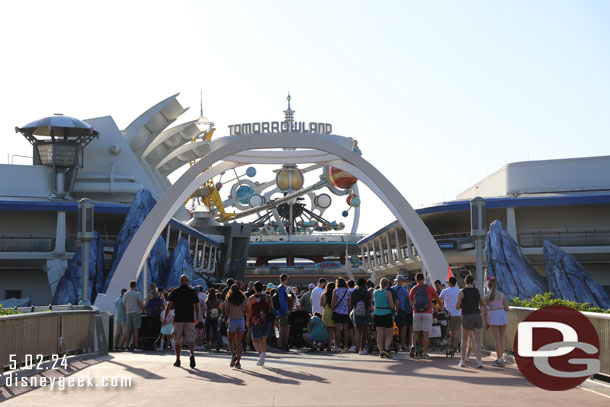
557 348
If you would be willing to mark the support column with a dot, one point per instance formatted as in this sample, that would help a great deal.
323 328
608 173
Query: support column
196 254
364 263
210 258
179 236
203 255
511 223
60 234
214 259
399 252
169 230
389 247
408 242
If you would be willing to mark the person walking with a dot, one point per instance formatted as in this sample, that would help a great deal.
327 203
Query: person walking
327 317
402 317
167 330
384 326
316 294
283 312
235 309
134 307
469 301
421 297
185 304
361 312
341 306
496 318
449 296
121 328
211 320
259 321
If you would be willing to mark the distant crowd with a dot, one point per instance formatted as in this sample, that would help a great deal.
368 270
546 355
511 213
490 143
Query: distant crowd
336 316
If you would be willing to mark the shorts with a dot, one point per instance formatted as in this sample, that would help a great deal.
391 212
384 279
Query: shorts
184 332
401 319
409 319
121 328
237 325
340 318
317 338
284 320
260 331
361 320
134 320
384 321
472 321
422 321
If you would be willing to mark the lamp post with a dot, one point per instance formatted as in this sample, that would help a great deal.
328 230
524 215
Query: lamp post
85 234
478 230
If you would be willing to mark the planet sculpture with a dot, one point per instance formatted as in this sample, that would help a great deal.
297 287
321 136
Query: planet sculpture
341 179
243 194
353 200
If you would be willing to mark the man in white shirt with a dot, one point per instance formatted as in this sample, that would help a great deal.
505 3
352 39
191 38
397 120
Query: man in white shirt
316 294
449 296
134 307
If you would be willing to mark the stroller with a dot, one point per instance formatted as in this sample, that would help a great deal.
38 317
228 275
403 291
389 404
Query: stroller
440 339
222 333
299 319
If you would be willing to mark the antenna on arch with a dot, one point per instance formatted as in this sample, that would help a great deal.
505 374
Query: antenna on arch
200 103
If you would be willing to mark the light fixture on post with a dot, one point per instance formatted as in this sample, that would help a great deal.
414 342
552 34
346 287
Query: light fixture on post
58 142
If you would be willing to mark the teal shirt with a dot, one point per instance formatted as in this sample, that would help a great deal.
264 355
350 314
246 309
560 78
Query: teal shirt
382 305
318 331
120 309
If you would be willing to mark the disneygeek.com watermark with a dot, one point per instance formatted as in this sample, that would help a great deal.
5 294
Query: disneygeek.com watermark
62 383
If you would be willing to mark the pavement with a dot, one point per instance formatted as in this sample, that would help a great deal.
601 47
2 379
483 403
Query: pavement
290 379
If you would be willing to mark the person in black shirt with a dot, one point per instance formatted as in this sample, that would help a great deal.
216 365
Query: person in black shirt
361 316
223 295
185 302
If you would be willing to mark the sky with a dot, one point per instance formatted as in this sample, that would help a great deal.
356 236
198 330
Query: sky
439 94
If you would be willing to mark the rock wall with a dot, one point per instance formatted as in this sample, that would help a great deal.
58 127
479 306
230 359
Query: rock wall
569 280
505 261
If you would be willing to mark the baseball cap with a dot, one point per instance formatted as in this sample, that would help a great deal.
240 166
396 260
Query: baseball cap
312 285
270 286
400 277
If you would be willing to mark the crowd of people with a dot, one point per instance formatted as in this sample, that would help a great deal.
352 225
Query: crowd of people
336 316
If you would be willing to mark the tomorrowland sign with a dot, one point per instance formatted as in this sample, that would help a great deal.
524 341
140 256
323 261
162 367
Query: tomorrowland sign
245 129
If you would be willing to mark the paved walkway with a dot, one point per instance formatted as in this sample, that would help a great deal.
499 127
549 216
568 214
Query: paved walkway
297 379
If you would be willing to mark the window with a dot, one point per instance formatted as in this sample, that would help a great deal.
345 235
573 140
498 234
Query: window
12 294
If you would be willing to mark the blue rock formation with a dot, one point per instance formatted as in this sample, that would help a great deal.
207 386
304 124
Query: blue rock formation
180 262
15 302
505 261
69 288
157 263
569 280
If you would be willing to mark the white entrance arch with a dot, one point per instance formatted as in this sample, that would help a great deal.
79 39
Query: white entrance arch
234 151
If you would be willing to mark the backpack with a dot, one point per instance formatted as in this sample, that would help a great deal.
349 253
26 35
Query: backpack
360 309
154 305
260 310
421 302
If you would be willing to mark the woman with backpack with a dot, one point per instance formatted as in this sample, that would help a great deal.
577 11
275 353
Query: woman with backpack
384 326
327 317
235 309
496 318
212 315
361 311
341 306
260 319
469 301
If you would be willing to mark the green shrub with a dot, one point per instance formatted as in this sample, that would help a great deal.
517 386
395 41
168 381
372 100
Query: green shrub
542 300
7 311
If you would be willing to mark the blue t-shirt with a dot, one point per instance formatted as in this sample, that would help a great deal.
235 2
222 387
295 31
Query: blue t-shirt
120 309
283 297
318 331
403 298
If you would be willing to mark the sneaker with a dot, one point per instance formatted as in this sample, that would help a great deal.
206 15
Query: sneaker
363 352
498 363
381 355
412 352
192 361
352 349
260 362
137 350
462 364
336 349
387 354
177 363
425 356
238 365
233 360
479 365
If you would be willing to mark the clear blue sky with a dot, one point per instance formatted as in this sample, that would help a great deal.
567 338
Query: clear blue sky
438 93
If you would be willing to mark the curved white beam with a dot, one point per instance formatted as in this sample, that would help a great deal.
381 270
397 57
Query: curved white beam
182 155
140 246
174 137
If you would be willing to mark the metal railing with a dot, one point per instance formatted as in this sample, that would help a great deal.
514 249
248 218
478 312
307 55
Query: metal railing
601 322
565 237
26 243
35 332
